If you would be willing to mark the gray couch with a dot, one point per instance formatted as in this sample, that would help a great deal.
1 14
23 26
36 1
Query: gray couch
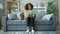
19 25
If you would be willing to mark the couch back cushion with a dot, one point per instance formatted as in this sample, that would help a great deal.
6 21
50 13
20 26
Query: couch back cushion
40 14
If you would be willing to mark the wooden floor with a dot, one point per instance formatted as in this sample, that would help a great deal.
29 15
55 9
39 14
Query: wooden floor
24 32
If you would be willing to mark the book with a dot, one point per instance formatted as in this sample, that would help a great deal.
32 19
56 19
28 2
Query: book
32 12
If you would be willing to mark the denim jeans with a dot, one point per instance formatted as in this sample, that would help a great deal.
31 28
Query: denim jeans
30 22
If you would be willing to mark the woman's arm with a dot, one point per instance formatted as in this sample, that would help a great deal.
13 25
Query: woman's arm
34 14
25 13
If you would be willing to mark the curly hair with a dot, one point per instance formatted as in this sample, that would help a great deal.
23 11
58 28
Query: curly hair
26 6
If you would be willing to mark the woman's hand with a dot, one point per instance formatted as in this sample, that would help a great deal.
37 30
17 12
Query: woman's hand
31 16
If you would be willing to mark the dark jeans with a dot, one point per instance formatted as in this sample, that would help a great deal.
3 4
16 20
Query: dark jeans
30 22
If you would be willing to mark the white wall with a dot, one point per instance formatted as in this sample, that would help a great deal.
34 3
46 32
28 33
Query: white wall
23 2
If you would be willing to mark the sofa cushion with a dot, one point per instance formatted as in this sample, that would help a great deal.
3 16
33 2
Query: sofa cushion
17 27
18 16
16 22
39 15
43 22
44 27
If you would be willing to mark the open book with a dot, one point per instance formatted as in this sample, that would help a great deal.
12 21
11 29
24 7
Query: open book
32 12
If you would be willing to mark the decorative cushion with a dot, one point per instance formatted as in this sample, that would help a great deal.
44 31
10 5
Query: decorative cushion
20 15
47 17
12 16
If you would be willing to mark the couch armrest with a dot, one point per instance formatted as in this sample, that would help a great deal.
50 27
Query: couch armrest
4 22
54 19
55 22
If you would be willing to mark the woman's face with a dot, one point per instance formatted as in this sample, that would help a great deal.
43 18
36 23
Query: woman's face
29 6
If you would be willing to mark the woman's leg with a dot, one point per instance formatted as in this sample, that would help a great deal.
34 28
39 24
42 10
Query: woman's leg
28 24
32 24
27 29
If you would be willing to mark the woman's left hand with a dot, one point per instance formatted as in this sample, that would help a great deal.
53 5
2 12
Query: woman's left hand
33 15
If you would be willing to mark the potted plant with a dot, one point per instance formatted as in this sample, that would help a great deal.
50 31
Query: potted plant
51 8
15 4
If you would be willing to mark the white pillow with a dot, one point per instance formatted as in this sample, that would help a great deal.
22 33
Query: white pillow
12 16
47 17
19 15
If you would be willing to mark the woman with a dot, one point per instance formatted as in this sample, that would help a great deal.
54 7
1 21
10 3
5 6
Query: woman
30 18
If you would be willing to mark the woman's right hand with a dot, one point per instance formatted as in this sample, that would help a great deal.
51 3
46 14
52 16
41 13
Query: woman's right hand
29 15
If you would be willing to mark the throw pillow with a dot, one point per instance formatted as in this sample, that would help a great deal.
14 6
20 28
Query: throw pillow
12 16
47 17
20 15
